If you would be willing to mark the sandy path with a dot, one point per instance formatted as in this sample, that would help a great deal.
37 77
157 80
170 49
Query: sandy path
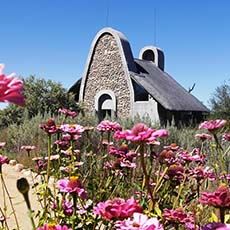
10 176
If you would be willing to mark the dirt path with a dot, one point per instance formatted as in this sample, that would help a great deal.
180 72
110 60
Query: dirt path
10 176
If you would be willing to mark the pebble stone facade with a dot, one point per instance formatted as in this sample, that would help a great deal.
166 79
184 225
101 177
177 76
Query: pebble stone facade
106 73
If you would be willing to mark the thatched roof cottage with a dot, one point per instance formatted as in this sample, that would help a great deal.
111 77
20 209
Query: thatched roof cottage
116 84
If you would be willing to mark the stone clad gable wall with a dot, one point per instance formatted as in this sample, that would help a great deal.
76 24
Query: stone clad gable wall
107 73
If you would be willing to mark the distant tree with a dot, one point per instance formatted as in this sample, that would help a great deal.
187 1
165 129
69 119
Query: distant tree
42 96
220 102
46 96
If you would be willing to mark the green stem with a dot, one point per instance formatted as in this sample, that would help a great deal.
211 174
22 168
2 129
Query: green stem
146 176
218 145
179 192
48 174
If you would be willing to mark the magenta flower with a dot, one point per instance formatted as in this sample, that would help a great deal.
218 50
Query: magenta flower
203 136
139 221
72 186
67 208
212 125
160 133
201 173
226 136
178 216
139 133
68 112
216 226
3 160
49 127
219 198
117 208
190 157
73 130
106 126
225 177
11 88
53 227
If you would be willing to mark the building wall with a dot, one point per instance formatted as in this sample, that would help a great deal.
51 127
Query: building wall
107 73
146 108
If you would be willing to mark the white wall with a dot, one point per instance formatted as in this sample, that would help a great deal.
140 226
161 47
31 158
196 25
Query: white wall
146 108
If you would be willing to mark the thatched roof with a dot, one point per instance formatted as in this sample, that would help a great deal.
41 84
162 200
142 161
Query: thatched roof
164 89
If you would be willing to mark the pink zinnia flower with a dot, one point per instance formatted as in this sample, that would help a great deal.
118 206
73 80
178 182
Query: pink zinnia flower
219 198
212 125
160 133
139 133
139 222
216 226
53 227
11 88
68 112
203 136
117 208
49 127
201 173
225 177
67 207
226 136
72 186
28 147
73 130
190 157
178 216
106 126
3 160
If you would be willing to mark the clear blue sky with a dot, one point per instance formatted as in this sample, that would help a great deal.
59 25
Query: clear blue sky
51 38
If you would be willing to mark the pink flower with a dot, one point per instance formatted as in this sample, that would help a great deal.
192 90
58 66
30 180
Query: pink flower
160 133
226 136
216 226
178 216
67 208
225 177
203 136
219 198
28 147
106 126
72 186
201 173
212 125
68 112
74 130
139 133
2 144
11 88
4 160
190 157
53 227
117 208
49 127
139 222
